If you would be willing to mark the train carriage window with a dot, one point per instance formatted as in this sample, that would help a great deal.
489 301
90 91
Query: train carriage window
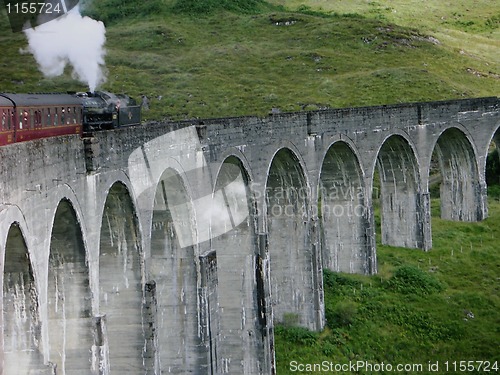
43 118
11 120
78 115
31 119
48 123
55 117
25 119
63 116
69 116
38 119
21 117
3 125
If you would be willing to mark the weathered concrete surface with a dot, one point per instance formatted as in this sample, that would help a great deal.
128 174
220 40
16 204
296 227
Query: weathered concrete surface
175 248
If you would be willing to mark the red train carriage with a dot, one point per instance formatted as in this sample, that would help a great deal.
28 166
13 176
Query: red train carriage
24 117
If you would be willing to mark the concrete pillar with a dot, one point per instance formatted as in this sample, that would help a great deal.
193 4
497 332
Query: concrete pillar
100 348
150 313
424 220
208 302
265 306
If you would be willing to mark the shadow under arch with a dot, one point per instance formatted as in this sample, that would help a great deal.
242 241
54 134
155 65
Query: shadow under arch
69 299
460 189
344 219
239 270
174 269
21 317
121 283
291 258
403 208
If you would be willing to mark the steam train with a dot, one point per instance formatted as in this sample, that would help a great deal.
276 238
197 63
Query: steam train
24 117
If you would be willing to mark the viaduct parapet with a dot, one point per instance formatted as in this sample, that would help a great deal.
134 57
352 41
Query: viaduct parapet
177 247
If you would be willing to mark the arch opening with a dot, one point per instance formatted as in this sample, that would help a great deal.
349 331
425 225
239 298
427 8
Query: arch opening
291 258
492 169
238 272
344 218
121 282
454 170
21 321
68 295
174 270
402 206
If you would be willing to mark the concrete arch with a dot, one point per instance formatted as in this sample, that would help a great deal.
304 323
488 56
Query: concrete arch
21 325
11 214
293 291
343 215
109 181
121 280
404 211
239 154
69 297
460 190
174 269
405 137
239 273
67 193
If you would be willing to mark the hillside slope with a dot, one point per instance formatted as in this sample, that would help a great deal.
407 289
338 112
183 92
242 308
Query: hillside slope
232 58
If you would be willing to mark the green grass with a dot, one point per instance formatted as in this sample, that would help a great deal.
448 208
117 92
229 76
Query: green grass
415 309
227 58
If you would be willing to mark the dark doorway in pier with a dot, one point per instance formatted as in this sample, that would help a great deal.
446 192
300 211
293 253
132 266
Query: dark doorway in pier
290 249
234 239
21 321
174 269
341 211
454 177
401 211
120 282
68 295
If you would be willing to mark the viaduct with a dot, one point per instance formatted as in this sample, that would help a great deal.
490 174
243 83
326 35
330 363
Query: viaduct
176 247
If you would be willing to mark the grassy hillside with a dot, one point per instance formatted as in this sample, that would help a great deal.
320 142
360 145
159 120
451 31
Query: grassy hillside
224 58
441 305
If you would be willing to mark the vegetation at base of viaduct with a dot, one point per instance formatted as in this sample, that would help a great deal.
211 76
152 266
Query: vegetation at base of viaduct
420 307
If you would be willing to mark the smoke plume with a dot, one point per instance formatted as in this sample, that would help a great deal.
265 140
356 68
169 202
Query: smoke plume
71 39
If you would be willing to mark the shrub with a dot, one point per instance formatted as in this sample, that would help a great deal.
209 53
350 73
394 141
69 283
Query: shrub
298 335
343 314
412 280
333 279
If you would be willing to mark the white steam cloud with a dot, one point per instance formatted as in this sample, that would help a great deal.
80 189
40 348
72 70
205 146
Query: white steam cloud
71 39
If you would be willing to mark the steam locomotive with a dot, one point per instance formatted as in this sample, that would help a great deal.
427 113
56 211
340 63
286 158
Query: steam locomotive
24 117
